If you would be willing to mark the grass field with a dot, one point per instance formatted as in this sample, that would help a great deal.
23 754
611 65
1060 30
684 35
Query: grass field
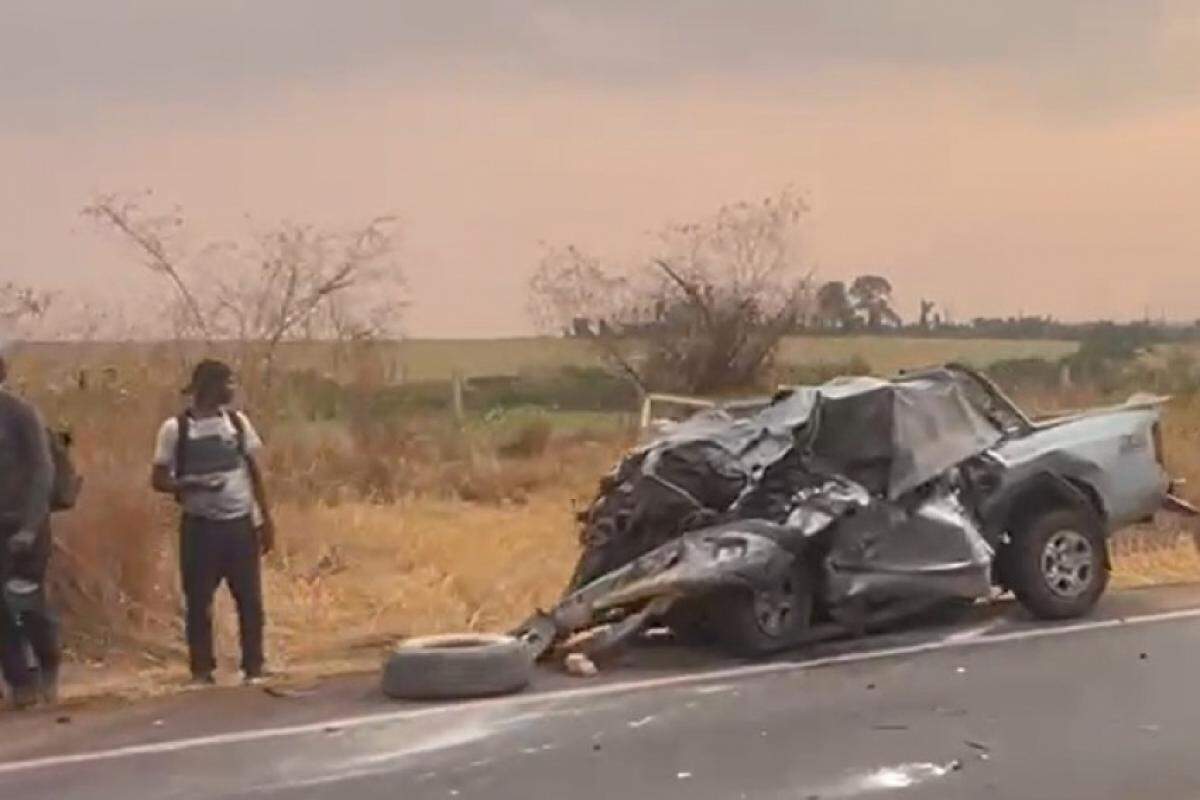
439 359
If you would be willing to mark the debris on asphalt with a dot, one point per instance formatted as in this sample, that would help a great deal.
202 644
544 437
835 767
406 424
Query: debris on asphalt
946 711
158 723
283 692
1142 656
901 776
638 723
580 666
1149 728
683 775
889 727
870 687
961 670
985 752
63 720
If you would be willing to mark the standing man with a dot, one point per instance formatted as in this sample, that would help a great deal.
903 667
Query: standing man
26 483
206 458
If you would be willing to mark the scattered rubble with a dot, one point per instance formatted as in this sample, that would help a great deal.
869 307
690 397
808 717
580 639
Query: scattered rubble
580 666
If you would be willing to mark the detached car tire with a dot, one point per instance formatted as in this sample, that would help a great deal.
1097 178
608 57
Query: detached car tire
456 666
758 623
1058 565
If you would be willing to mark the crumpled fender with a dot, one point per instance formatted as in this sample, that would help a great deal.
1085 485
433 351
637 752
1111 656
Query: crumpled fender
745 554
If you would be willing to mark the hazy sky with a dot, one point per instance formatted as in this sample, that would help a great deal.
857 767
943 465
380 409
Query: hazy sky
997 156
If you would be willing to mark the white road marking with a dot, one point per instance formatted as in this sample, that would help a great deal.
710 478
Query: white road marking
602 690
972 633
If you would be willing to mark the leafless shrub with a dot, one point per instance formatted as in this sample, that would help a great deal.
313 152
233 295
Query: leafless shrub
21 306
292 282
704 315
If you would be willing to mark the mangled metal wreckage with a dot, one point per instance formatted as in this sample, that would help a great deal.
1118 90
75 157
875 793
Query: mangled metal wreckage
836 508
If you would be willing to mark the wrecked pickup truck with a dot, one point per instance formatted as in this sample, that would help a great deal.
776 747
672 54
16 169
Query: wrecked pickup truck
832 510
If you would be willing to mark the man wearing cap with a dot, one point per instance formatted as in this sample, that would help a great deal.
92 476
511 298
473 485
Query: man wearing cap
26 481
205 458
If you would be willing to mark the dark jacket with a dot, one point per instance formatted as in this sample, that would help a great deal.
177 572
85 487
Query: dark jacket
26 466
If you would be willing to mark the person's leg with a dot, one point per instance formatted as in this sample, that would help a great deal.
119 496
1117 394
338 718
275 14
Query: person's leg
244 575
200 568
13 664
39 623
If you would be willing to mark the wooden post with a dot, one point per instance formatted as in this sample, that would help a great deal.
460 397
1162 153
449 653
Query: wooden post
456 397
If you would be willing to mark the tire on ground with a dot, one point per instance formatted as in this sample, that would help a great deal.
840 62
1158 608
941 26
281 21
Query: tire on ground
456 666
1025 570
735 617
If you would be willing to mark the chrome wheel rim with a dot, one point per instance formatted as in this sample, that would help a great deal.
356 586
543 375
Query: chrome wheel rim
1068 563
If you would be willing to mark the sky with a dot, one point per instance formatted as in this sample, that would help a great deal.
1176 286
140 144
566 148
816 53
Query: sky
1017 156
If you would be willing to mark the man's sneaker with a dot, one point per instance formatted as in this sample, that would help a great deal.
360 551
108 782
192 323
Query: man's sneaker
48 686
258 677
202 679
22 697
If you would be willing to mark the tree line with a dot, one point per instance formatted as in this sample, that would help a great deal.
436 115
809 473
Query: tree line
704 311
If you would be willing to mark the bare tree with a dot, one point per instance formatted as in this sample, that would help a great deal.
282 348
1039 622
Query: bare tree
927 316
151 234
20 305
293 282
705 313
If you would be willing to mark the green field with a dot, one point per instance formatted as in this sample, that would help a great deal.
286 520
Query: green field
438 359
430 359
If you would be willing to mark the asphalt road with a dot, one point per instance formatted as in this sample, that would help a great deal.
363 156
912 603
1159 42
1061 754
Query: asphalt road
986 705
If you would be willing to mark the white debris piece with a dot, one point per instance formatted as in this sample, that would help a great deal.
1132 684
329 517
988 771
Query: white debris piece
580 666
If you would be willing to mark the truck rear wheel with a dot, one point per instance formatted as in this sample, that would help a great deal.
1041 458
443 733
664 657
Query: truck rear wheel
1057 565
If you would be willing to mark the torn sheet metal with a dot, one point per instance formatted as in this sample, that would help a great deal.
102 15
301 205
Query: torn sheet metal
885 438
895 436
886 553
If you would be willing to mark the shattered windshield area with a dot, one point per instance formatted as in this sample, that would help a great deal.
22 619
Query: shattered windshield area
996 408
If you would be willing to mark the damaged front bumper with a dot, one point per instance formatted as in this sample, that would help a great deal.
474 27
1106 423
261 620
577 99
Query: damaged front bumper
614 607
878 555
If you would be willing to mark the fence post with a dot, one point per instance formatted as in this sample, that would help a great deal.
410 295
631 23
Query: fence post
644 421
456 397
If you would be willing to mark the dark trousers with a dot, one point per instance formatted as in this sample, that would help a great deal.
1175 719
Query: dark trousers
211 551
35 628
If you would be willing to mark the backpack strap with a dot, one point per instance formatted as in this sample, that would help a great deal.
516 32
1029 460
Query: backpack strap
183 424
235 419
